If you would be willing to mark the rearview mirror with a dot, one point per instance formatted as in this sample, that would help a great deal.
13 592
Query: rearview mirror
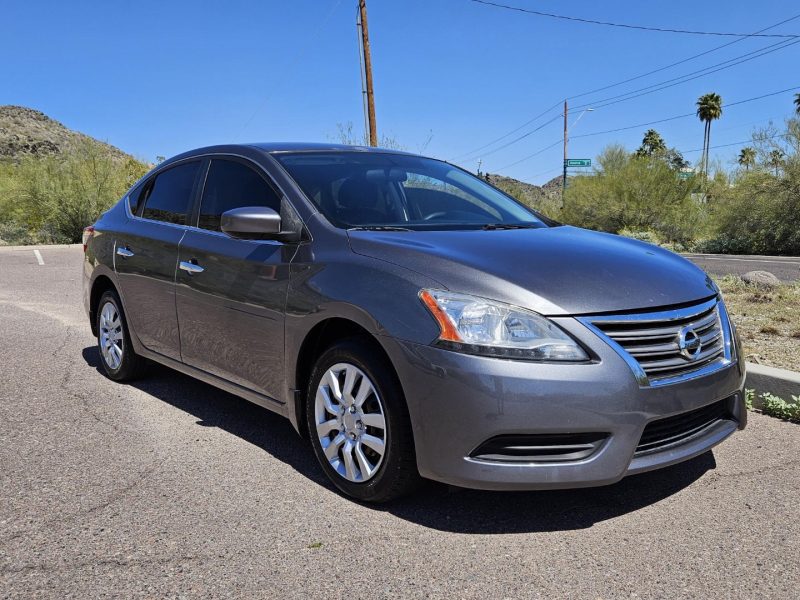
251 223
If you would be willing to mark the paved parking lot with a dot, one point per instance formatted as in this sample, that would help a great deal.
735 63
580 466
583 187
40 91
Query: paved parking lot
171 488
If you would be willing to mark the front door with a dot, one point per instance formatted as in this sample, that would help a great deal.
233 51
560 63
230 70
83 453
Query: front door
231 293
146 257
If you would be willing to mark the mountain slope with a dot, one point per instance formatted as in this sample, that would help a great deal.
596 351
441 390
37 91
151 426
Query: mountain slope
25 132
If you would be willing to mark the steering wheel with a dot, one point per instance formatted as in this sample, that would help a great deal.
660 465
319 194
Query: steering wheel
435 215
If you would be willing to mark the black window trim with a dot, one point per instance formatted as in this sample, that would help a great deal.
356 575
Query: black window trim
195 223
194 207
150 178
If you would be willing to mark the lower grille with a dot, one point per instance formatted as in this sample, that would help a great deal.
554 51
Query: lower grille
539 448
679 428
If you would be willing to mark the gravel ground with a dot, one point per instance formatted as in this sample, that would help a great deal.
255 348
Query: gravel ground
171 488
768 321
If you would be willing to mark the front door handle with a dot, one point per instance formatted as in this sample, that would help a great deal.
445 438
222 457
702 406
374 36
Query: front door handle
124 252
191 267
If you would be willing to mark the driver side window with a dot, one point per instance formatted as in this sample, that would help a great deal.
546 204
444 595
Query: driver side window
231 184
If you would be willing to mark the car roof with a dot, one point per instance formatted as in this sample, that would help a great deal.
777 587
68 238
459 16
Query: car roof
278 147
317 147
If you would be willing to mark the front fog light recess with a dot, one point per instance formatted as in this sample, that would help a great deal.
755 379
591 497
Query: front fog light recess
488 328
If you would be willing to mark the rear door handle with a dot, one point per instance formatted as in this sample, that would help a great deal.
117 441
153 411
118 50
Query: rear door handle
124 252
191 267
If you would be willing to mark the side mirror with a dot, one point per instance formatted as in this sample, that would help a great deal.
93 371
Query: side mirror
251 223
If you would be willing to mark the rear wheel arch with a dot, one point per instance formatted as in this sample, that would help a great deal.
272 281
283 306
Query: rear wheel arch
100 286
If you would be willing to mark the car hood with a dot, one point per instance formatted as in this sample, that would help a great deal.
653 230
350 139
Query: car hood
553 271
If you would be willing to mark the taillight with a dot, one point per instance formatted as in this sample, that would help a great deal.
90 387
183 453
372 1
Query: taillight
87 233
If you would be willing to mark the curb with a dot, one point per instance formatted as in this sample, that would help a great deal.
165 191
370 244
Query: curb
779 382
9 249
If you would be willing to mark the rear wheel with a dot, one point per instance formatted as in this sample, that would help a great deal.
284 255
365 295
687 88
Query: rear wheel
359 423
119 359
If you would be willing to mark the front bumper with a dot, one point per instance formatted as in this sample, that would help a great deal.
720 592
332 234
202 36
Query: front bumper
457 402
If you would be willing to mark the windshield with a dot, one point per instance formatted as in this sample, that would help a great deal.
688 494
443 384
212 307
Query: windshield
370 190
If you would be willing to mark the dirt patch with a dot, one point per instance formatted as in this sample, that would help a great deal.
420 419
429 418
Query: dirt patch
767 320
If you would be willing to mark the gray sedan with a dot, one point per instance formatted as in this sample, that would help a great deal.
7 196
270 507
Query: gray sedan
412 320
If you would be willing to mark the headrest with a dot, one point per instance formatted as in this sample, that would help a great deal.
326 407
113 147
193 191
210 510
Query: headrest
357 192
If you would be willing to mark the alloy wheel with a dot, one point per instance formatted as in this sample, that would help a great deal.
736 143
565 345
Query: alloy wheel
350 422
111 338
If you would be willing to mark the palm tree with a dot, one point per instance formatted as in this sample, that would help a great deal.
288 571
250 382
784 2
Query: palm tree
797 104
652 143
709 108
774 160
747 157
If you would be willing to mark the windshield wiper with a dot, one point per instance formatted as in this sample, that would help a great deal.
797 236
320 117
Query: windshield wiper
380 228
490 226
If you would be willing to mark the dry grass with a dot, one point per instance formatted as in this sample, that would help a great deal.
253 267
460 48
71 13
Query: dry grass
767 320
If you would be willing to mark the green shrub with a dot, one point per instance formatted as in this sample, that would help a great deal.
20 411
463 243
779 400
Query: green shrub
54 197
634 194
778 407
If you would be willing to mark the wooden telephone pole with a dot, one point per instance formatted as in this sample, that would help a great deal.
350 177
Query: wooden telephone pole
373 129
564 183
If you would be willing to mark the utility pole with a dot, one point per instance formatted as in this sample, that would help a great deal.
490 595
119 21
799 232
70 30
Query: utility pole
373 130
564 183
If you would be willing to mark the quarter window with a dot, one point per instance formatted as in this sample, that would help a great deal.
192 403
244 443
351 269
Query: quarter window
231 184
167 197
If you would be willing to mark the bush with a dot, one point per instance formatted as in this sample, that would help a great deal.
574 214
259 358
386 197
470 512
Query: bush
53 198
634 193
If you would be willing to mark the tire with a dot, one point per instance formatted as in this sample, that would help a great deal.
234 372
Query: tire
121 363
347 428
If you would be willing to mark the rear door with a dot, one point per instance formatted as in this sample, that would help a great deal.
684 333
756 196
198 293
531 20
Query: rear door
146 255
231 293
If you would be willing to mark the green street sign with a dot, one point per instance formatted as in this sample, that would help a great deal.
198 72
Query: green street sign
579 162
685 174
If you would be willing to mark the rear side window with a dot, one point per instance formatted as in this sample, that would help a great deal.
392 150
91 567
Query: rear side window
230 185
167 197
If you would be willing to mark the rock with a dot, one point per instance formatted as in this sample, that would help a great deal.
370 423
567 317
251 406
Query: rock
761 278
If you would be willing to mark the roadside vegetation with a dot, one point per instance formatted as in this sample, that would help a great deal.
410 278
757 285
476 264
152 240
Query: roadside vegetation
749 205
50 199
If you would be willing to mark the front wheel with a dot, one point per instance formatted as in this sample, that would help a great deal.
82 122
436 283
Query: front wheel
359 423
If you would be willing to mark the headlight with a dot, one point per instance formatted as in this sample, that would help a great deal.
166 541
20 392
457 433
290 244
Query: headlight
488 328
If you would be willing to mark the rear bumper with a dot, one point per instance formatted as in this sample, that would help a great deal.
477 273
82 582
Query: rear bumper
457 402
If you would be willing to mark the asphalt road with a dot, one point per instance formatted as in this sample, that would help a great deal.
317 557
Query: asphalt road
785 268
171 488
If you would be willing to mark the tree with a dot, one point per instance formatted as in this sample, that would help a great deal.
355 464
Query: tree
709 108
747 157
775 159
797 104
652 143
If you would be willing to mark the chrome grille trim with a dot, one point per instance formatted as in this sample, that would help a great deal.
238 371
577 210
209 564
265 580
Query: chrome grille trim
649 342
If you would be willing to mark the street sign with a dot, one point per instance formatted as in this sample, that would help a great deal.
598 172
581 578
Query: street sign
579 162
685 174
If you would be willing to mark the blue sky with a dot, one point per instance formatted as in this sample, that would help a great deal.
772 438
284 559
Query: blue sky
158 78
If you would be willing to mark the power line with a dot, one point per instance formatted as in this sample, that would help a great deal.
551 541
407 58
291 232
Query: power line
520 137
627 26
738 102
508 134
557 142
686 78
286 72
644 75
750 141
680 62
684 116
